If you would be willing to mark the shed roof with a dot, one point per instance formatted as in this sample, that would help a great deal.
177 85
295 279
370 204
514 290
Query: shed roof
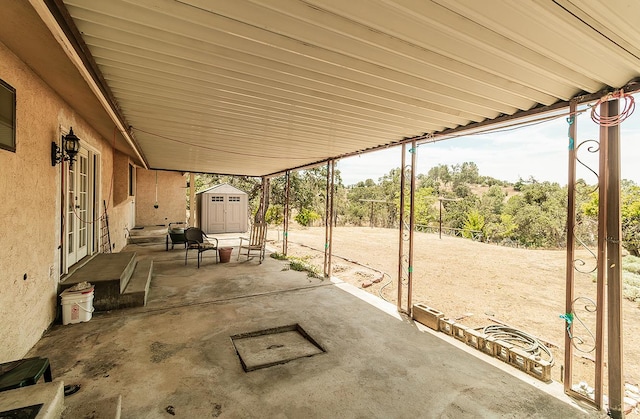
224 188
257 87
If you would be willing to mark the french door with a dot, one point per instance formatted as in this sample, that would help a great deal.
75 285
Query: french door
79 214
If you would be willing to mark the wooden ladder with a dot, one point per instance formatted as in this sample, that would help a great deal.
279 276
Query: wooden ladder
105 237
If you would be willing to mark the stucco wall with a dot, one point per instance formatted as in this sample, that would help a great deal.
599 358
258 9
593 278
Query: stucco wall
29 208
172 198
120 177
119 204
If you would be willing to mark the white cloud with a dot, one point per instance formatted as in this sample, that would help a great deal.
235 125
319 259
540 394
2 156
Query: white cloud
540 151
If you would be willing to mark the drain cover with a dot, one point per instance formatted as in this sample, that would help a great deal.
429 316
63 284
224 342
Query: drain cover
266 348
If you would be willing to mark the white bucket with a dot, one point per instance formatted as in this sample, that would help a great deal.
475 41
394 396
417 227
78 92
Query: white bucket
77 306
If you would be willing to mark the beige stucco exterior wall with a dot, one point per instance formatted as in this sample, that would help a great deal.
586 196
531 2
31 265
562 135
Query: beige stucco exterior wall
172 198
30 207
119 205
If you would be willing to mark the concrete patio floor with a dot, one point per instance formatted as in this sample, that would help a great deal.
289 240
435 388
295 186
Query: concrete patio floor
176 356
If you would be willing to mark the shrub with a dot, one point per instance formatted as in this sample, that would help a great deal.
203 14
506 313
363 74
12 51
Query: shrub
631 264
274 214
306 216
299 264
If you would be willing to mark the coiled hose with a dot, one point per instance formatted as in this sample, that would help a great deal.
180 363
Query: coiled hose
519 338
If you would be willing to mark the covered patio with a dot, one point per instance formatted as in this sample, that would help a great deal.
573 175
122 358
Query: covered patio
176 354
261 88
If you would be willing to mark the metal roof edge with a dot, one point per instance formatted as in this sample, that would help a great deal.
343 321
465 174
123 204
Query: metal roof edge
56 17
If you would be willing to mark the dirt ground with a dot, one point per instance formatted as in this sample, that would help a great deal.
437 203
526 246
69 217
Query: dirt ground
475 283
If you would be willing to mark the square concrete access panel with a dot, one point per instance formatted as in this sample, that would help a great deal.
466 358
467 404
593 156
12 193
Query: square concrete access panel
269 347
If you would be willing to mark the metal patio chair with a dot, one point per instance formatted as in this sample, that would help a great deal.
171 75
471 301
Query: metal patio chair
198 240
255 242
175 232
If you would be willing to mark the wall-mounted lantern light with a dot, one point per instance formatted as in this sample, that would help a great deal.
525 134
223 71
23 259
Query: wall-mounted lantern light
70 147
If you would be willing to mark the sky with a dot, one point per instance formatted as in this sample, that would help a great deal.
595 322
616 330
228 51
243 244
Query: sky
538 150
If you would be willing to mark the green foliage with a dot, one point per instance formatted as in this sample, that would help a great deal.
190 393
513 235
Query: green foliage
508 226
278 256
274 214
629 213
425 210
440 173
631 278
538 214
474 223
534 216
299 264
305 217
455 212
631 264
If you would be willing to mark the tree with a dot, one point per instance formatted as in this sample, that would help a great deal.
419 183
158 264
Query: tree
305 217
629 214
469 173
473 224
425 210
358 212
539 214
275 214
455 212
440 173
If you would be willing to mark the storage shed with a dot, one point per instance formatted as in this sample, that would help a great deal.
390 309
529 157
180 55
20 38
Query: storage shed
222 209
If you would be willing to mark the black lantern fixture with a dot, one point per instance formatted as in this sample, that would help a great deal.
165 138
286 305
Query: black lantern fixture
70 147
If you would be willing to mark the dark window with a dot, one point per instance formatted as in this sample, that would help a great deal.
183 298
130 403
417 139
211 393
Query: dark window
7 117
132 180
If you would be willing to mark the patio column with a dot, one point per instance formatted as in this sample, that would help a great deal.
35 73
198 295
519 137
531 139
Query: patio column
608 305
192 199
264 201
407 226
574 264
328 217
285 223
611 208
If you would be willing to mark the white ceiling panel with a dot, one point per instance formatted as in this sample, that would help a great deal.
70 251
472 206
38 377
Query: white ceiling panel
258 87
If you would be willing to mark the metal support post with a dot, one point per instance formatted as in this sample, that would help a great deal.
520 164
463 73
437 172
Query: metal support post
440 229
192 200
602 258
264 201
614 268
331 215
328 221
407 226
285 224
401 228
571 222
412 223
574 343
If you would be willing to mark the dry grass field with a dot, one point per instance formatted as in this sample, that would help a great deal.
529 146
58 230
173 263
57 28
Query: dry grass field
472 282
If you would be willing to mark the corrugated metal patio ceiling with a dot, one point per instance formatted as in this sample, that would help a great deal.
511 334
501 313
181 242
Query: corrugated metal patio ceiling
257 87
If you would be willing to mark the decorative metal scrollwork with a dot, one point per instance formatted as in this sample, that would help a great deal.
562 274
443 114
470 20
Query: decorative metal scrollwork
588 343
579 263
592 146
406 225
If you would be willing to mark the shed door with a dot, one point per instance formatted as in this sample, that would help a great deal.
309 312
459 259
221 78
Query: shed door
215 214
233 217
